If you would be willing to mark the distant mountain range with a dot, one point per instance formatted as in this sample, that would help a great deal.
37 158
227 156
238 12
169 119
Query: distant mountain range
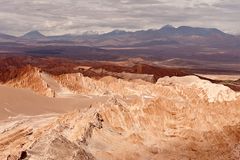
166 31
166 35
191 43
169 30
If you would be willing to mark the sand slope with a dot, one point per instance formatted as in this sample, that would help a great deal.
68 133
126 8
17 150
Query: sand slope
23 101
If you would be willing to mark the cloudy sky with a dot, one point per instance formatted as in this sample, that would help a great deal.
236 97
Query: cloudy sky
54 17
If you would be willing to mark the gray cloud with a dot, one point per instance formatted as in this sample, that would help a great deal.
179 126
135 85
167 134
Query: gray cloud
77 16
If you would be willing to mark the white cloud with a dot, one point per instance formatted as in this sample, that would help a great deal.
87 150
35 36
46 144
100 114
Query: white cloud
77 16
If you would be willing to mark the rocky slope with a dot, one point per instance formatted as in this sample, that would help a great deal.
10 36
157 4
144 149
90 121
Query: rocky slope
176 118
29 77
190 87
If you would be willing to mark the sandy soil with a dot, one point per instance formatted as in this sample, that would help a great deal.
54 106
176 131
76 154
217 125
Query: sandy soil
14 102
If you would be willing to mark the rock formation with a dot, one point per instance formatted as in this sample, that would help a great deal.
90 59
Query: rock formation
29 77
176 118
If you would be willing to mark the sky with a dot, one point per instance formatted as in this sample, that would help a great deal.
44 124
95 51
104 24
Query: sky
55 17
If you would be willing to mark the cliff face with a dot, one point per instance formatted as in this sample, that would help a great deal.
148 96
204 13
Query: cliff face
29 77
176 118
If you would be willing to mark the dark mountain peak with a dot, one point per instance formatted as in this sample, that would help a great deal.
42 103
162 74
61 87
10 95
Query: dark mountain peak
186 30
116 32
167 30
33 35
168 26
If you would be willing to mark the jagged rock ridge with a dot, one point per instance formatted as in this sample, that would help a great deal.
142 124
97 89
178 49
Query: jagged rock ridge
176 118
29 77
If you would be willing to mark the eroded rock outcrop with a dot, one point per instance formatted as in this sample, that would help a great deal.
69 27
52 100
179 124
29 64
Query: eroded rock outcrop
203 88
176 118
29 77
190 87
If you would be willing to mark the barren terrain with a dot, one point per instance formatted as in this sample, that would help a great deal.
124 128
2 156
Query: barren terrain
116 110
172 93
